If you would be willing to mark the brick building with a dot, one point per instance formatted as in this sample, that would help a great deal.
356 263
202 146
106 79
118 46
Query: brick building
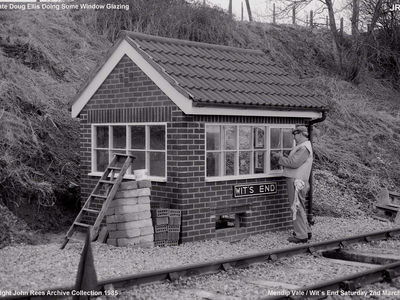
203 120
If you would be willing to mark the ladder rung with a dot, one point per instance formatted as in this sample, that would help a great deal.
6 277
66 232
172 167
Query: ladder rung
91 210
82 224
75 239
99 196
114 168
107 181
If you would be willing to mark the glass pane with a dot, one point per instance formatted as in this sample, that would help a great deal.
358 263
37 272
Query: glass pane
138 137
213 137
101 160
244 137
259 137
157 164
157 137
230 163
230 137
140 161
244 162
213 164
287 138
102 137
274 161
259 162
119 137
276 138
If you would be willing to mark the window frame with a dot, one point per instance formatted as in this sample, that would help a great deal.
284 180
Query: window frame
127 148
267 150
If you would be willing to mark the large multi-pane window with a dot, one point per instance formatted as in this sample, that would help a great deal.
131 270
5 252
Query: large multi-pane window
147 142
244 150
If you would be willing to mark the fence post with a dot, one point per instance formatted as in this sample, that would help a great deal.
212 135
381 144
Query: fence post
311 19
249 10
341 27
230 7
273 14
294 13
242 12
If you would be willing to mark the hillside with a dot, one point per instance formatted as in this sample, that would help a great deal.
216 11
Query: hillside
47 55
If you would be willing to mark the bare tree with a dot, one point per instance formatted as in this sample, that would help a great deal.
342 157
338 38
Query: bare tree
249 10
355 17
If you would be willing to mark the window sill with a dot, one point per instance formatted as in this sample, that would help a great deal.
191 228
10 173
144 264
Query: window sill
240 177
129 176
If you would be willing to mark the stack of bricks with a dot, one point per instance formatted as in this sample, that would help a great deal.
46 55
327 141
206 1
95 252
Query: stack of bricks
128 216
167 224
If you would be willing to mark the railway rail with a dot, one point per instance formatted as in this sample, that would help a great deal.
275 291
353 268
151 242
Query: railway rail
386 272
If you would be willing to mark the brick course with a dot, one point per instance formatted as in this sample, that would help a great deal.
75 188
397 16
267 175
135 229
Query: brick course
128 95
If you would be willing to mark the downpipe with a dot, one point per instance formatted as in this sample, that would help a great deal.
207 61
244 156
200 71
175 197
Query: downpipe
310 215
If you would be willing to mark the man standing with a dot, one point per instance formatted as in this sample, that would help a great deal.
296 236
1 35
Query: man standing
297 169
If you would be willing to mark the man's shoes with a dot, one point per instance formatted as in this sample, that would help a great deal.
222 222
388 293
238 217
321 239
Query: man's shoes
296 240
309 235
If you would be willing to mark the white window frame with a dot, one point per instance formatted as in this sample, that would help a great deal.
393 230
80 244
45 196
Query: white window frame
128 147
267 149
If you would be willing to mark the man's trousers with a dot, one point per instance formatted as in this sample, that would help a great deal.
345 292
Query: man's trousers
300 224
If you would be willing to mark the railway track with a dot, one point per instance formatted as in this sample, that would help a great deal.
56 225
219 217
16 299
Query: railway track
385 272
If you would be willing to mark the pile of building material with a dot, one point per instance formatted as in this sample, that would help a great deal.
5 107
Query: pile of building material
128 216
388 206
167 224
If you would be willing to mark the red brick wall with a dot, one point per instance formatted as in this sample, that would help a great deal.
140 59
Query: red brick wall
128 95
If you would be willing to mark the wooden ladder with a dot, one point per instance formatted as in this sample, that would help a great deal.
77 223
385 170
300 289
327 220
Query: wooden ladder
110 186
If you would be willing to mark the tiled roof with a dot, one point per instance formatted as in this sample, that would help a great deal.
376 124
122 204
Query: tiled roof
220 75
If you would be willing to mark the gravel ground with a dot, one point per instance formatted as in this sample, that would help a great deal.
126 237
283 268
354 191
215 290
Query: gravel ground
27 267
302 270
391 246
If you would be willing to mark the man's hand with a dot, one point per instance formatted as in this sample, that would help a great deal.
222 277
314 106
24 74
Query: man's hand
276 155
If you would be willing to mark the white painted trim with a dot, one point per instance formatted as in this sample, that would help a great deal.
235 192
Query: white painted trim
267 150
182 101
127 148
259 112
131 176
240 177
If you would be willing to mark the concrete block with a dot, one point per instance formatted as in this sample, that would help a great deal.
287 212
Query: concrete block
111 219
111 227
145 245
132 217
110 211
126 209
146 238
146 230
123 201
134 224
128 241
144 184
143 200
112 242
128 185
127 233
143 192
127 194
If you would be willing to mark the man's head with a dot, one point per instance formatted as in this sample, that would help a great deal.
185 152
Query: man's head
300 134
